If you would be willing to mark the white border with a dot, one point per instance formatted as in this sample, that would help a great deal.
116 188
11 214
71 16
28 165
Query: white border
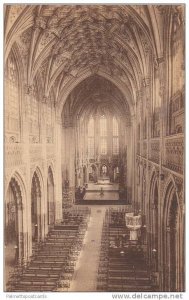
86 295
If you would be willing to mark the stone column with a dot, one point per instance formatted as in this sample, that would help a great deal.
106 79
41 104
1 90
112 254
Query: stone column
163 120
27 222
39 217
43 112
70 150
69 156
133 146
167 274
20 246
58 171
109 136
127 152
96 138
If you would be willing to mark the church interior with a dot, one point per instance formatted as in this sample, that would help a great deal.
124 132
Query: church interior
94 99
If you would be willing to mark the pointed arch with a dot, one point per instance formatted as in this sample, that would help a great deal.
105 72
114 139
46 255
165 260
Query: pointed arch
154 220
74 82
40 176
37 205
50 197
15 225
173 239
13 96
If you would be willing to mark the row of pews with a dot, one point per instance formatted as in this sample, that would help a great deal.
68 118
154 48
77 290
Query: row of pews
52 264
122 264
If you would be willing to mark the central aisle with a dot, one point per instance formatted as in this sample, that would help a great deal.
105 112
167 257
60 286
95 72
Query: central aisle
85 275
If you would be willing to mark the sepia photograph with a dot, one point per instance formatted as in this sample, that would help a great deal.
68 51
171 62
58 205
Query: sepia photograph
94 148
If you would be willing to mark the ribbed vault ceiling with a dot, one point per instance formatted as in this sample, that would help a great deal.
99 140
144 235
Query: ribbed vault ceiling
96 95
58 44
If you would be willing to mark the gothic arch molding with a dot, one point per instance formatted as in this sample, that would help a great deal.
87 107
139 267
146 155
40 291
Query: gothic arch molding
15 58
19 177
22 23
50 196
40 176
38 205
173 239
75 81
51 166
154 219
154 180
15 220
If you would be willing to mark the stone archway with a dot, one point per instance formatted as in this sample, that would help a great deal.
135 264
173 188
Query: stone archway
153 222
173 242
36 208
50 197
14 242
173 219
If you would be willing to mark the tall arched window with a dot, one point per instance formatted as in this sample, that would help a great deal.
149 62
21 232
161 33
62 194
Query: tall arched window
103 135
34 128
49 120
91 137
115 137
12 105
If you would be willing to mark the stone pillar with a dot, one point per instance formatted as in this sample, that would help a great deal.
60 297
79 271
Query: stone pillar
109 136
126 149
163 120
96 138
50 203
70 157
58 171
167 261
133 147
19 248
39 217
25 249
27 221
44 217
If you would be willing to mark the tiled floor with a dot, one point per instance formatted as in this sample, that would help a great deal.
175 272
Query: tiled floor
85 275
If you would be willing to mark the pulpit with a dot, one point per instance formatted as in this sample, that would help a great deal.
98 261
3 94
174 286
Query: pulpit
133 223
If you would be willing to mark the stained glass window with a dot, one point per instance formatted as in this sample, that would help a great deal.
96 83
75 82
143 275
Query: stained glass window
91 146
103 135
91 127
103 126
115 145
115 127
12 107
91 137
115 137
103 146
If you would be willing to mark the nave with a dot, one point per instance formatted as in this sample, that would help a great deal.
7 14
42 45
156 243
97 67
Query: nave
89 251
53 260
94 147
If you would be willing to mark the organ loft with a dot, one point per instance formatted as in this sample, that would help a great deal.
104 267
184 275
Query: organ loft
94 99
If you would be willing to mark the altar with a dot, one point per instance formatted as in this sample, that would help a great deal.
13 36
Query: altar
102 190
